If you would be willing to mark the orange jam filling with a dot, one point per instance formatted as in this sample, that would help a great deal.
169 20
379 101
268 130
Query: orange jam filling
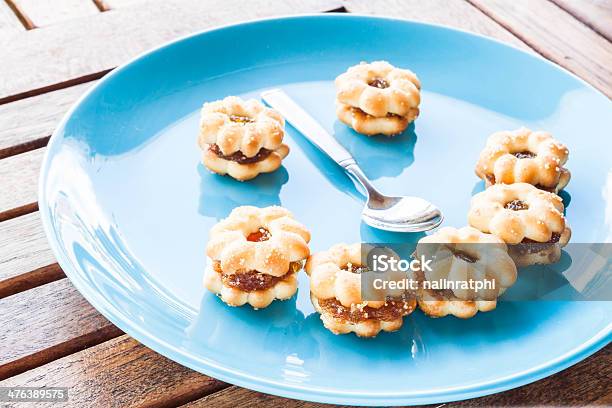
260 235
240 157
252 281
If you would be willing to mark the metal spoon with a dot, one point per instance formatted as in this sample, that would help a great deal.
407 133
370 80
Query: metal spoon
402 214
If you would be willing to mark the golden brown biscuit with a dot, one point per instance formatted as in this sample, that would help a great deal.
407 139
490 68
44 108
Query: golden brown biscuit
461 255
379 89
522 214
255 255
335 292
369 125
377 98
241 138
523 156
246 171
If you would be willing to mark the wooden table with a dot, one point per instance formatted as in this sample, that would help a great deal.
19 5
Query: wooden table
51 51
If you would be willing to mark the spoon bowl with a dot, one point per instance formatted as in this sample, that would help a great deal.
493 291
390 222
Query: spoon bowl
403 214
399 214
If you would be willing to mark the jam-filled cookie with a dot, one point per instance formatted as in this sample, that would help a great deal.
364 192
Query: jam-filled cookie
523 156
377 98
461 255
335 292
524 215
256 254
241 138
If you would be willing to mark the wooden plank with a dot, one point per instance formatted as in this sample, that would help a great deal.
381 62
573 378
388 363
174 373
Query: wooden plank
9 24
26 260
115 4
579 385
596 14
40 13
605 401
19 183
236 397
80 50
454 13
556 35
586 382
119 373
27 124
46 323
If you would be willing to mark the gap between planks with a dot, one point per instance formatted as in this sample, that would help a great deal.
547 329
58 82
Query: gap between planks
26 260
556 35
42 13
81 49
28 123
124 369
595 14
55 86
47 323
23 18
19 184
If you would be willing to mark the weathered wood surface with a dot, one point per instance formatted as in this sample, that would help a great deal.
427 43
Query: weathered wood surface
27 124
596 14
9 24
46 323
19 183
236 397
115 4
556 35
80 50
454 13
26 261
119 373
40 13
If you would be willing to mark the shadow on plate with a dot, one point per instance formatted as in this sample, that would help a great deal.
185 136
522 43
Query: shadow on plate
566 197
379 156
376 236
268 331
479 187
509 320
219 194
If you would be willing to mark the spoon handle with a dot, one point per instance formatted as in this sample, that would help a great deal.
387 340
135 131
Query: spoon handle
313 131
307 126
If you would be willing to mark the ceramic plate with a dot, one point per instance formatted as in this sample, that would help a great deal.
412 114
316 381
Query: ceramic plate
127 205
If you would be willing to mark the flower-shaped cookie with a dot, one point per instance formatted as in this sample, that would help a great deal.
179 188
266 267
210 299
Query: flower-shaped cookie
464 257
335 292
523 156
256 253
370 125
241 138
522 214
377 98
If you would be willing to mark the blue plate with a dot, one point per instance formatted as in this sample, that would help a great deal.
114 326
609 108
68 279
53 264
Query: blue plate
127 205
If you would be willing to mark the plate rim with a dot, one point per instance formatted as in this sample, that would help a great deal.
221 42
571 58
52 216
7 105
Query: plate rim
250 381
